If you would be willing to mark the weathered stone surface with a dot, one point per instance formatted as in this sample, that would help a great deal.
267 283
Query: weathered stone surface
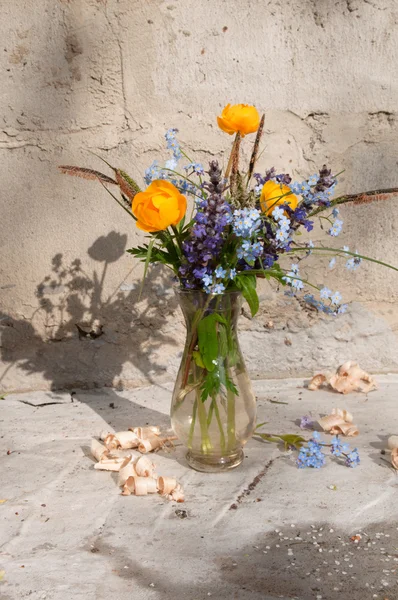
110 77
263 531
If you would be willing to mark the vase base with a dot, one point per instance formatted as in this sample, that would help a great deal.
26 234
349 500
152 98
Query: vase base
214 464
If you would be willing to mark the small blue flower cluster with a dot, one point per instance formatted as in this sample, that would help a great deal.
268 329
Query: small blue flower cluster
311 455
338 449
284 224
196 168
173 144
353 262
292 278
317 190
153 172
213 282
249 252
246 222
337 225
334 308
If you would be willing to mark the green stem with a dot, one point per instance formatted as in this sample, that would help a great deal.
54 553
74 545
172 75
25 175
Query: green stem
205 440
178 239
183 177
220 426
193 422
340 252
231 420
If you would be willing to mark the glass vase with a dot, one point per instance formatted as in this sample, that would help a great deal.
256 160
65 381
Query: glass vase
213 410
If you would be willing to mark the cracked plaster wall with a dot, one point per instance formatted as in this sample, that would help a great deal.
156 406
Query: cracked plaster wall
109 77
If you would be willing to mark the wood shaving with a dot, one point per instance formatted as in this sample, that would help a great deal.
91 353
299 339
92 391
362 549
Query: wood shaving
109 464
394 458
137 474
144 467
316 382
167 485
339 423
349 377
98 450
127 469
121 439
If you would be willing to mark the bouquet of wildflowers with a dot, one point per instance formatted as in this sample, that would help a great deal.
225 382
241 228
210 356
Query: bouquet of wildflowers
218 230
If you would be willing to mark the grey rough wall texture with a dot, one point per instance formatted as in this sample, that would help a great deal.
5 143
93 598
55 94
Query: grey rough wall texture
110 76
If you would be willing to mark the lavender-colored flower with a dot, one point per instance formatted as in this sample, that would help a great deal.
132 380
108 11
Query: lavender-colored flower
306 422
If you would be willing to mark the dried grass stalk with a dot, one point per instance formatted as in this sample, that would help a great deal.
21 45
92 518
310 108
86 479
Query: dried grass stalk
86 174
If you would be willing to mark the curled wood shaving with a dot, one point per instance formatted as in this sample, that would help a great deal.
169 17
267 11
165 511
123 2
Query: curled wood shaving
145 432
152 442
339 423
144 467
98 450
121 439
394 458
167 485
351 378
136 474
177 494
109 464
127 469
316 382
139 486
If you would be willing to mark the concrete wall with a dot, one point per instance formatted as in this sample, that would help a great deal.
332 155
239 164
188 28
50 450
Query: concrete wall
108 76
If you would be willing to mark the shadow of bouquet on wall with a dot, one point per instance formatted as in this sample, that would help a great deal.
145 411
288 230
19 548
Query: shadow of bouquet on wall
90 334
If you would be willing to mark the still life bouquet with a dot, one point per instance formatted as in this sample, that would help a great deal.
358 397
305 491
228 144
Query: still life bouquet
219 230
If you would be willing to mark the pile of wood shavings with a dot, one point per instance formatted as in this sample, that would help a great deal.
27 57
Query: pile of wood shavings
348 378
137 474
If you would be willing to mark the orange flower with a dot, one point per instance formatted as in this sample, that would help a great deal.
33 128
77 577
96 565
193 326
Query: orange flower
271 197
159 206
239 117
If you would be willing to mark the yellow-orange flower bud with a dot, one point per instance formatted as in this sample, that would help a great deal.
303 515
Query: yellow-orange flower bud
239 117
159 206
273 194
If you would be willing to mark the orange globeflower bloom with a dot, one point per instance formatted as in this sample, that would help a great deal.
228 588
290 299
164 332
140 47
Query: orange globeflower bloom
239 117
271 197
159 206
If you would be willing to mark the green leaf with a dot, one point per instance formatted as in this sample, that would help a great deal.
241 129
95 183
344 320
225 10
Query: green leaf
247 284
222 340
207 341
288 439
210 386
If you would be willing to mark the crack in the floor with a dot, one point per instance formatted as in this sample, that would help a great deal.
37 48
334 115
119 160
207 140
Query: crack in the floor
252 486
